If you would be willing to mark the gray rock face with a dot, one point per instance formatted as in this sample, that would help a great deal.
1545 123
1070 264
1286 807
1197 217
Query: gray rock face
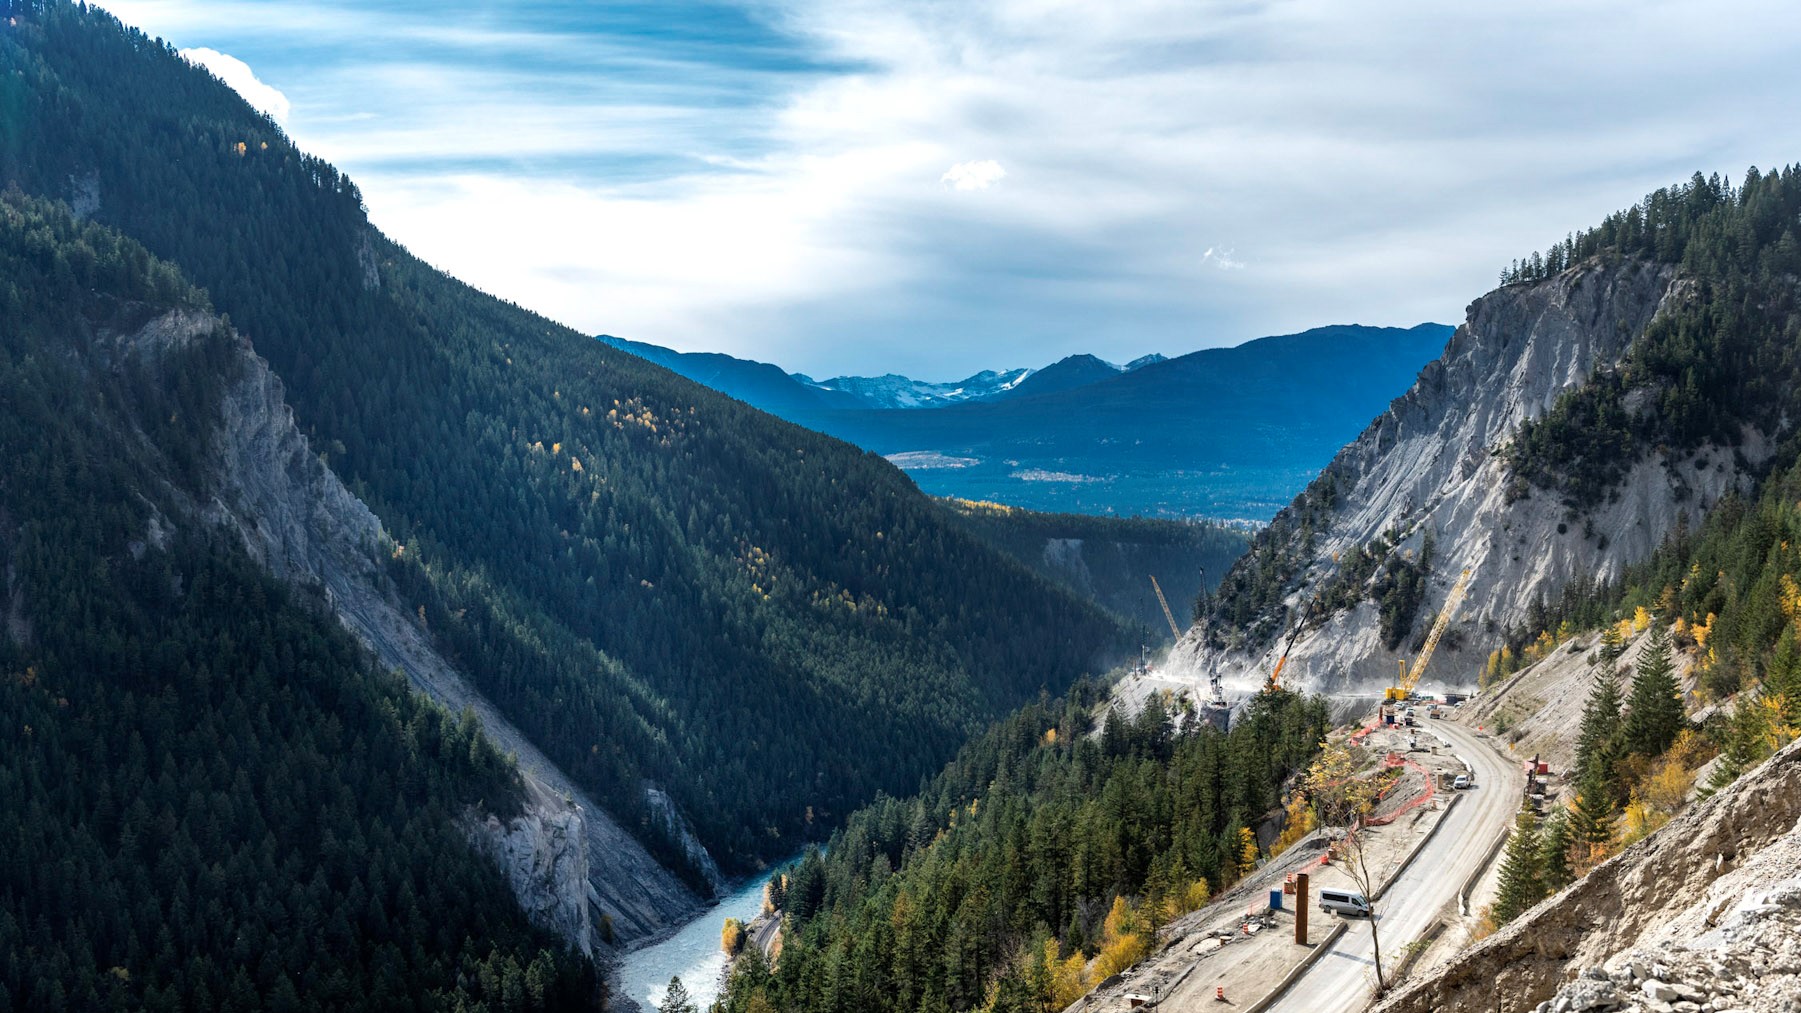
1064 555
569 863
544 854
676 827
1432 463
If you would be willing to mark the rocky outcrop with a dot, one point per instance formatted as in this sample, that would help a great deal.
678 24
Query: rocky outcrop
1433 463
675 827
296 518
1689 895
1739 948
545 858
1063 557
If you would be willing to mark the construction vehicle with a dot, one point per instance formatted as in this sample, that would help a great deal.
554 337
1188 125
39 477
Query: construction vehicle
1215 711
1407 679
1168 616
1294 633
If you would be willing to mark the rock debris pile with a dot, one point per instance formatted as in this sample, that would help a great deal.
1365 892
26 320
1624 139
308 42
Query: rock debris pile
1742 951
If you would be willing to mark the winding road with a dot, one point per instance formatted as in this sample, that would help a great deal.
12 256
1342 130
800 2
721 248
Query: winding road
1342 979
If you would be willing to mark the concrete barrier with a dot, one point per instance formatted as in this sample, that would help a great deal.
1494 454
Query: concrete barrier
1414 950
1469 883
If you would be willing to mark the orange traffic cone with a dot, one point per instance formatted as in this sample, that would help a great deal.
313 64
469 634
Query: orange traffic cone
1219 994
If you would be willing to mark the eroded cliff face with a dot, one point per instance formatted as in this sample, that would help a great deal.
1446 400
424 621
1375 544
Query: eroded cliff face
1432 463
571 866
545 857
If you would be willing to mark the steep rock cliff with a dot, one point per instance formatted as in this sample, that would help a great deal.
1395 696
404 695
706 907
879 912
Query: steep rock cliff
1433 463
295 517
545 857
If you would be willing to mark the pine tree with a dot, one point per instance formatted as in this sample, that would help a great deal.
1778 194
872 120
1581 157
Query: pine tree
1654 714
1596 741
1592 817
676 999
1554 851
1522 884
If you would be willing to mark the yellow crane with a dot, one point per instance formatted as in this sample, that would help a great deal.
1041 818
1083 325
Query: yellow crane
1407 679
1168 616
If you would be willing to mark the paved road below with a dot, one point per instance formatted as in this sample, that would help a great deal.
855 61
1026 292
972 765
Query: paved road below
763 931
1343 979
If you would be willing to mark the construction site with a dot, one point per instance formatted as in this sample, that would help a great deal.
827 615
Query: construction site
1265 930
1309 927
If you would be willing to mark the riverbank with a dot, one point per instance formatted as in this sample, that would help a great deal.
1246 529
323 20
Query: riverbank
691 953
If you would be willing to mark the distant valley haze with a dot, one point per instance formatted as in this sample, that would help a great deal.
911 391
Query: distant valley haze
1223 433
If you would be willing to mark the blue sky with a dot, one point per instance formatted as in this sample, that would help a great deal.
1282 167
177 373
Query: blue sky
939 187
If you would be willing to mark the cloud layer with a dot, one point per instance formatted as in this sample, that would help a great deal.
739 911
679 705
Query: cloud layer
977 175
769 178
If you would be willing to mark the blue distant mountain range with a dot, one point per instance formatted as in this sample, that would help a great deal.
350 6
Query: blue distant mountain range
1229 433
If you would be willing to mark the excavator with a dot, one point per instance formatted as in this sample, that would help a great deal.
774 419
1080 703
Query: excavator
1407 679
1294 633
1215 711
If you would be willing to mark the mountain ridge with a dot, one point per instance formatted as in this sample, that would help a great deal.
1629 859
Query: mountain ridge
1226 433
203 755
1083 435
1609 395
653 582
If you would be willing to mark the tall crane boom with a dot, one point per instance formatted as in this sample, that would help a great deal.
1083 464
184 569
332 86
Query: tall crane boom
1167 614
1452 601
1294 633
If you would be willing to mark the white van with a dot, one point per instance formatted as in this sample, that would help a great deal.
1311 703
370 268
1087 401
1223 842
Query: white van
1345 902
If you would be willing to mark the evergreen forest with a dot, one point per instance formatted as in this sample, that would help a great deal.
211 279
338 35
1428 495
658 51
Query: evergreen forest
657 584
1041 848
214 801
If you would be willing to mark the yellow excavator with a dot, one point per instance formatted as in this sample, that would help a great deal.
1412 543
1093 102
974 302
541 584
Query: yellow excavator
1406 679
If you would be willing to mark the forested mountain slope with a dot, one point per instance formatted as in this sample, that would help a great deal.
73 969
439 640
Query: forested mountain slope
1040 847
1611 392
214 799
662 588
1112 559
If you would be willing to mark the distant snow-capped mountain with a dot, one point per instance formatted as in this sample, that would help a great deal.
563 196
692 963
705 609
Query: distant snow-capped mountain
891 390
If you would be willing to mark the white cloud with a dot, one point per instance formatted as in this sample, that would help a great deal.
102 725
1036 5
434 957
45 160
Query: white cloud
977 175
236 73
772 197
1221 258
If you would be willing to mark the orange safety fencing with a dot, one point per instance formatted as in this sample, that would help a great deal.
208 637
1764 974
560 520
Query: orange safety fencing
1424 796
